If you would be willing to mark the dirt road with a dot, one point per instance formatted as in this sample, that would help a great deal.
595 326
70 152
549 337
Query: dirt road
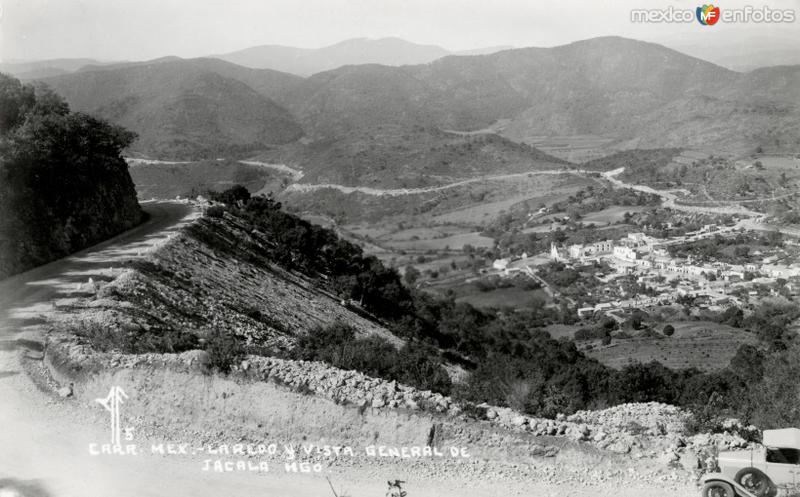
395 192
670 200
44 440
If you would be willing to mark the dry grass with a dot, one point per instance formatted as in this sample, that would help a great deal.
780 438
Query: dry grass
703 345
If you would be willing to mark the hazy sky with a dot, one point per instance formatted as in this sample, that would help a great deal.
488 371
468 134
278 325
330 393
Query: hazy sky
144 29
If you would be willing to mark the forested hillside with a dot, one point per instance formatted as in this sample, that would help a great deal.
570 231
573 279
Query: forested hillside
63 184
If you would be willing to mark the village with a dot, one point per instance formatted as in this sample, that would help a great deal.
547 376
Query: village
710 284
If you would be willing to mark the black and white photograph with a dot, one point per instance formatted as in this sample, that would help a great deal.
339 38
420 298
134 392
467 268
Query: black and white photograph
399 248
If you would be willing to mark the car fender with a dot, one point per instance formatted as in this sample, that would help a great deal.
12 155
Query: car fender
740 490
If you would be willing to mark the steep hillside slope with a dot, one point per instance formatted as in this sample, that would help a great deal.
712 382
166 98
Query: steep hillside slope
180 109
215 276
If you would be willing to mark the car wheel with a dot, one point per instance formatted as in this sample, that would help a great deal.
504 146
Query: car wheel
755 481
718 489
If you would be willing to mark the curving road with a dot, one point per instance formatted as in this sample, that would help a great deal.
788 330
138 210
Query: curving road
396 192
670 200
44 440
42 284
752 221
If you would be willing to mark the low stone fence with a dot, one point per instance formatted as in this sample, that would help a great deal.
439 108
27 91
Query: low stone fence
649 429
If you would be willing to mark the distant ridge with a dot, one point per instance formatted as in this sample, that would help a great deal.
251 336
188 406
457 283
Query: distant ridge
35 69
305 61
359 121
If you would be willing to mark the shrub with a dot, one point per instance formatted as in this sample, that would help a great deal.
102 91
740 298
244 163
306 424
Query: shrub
223 351
134 340
590 334
338 345
232 195
473 411
215 211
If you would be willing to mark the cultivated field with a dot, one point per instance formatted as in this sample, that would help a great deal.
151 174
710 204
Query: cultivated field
454 242
518 298
611 215
574 148
704 345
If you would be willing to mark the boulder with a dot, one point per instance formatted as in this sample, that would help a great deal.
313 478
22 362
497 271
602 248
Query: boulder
65 392
519 421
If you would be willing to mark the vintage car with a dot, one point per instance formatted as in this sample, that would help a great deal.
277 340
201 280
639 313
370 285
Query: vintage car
760 471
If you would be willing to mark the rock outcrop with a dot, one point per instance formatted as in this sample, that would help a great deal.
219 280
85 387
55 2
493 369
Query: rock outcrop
63 183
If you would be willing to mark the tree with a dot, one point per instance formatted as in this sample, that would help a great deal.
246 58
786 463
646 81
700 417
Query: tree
232 195
49 102
748 363
63 182
15 100
411 275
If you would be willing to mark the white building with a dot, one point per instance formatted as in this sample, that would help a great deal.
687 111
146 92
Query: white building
558 253
501 264
625 252
780 270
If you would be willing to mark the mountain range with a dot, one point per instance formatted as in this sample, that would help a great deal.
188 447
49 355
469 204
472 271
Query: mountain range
308 61
293 60
639 95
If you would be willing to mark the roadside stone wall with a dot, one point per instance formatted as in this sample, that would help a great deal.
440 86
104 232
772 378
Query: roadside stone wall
651 430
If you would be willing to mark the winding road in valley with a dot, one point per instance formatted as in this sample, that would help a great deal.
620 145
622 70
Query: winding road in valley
671 200
752 220
396 192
